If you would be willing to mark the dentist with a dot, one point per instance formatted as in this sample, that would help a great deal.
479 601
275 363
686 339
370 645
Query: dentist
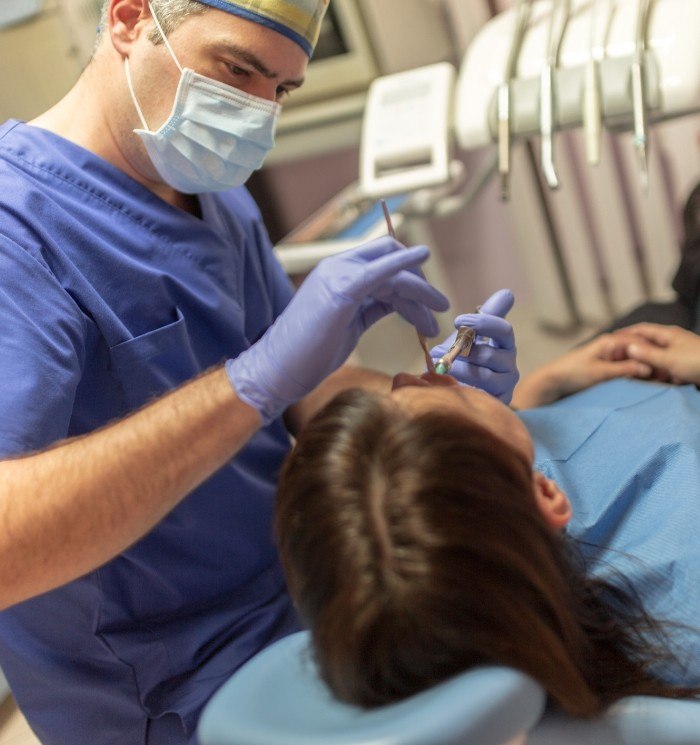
154 361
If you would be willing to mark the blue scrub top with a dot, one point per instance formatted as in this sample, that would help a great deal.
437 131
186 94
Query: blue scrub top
108 297
627 454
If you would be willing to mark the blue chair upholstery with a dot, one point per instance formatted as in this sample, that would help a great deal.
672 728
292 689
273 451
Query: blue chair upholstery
638 720
278 699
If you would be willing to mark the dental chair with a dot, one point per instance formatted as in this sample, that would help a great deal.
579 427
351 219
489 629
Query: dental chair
277 698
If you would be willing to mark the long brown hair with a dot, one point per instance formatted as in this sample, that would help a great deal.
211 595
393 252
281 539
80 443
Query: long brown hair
414 551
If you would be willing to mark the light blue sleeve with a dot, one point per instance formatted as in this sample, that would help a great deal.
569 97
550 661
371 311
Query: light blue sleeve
42 347
627 454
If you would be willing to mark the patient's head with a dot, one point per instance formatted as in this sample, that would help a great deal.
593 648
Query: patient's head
413 545
417 544
435 393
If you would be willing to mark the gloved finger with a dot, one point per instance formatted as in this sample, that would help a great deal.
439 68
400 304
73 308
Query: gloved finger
441 349
375 273
417 271
380 247
417 315
498 304
374 249
489 325
490 358
373 311
500 385
384 267
411 287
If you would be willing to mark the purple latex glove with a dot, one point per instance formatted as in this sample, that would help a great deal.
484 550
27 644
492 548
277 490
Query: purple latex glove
491 364
339 300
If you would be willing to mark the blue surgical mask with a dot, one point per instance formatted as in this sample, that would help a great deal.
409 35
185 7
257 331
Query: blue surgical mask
215 136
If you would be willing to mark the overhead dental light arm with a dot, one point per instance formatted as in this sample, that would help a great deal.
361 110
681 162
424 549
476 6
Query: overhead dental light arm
545 66
647 64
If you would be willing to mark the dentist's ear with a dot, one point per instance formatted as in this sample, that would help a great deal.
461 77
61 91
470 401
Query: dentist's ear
124 17
553 504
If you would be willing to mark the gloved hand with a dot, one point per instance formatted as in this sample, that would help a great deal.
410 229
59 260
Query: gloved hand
339 300
491 364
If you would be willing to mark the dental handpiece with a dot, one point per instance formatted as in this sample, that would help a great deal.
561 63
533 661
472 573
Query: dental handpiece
561 10
592 106
639 103
503 100
461 347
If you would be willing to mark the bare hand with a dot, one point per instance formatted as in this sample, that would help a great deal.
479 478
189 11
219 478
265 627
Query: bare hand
672 352
604 358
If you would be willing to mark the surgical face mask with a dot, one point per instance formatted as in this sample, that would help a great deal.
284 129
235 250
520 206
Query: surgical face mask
215 136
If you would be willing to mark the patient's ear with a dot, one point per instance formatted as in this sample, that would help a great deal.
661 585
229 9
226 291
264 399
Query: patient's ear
553 504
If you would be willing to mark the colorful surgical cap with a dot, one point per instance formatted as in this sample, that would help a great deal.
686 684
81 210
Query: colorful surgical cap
299 20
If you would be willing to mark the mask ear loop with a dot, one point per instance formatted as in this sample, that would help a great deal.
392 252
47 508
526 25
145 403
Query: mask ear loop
164 37
128 71
133 95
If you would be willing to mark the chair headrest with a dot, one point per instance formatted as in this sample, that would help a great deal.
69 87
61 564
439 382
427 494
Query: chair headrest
277 698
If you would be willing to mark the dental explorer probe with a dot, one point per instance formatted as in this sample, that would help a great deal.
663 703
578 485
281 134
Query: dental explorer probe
503 102
561 10
421 339
639 104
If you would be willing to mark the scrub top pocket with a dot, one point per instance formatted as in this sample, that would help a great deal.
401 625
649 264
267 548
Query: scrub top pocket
155 362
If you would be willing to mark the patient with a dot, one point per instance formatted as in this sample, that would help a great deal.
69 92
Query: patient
419 541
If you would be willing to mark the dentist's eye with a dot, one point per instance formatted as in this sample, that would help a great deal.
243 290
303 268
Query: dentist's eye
238 71
282 94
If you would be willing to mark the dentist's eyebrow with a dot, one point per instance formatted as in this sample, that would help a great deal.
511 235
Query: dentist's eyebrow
255 62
